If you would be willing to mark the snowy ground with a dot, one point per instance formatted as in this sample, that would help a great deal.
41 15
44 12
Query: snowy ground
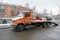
5 25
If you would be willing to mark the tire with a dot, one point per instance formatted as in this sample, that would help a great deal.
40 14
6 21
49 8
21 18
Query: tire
45 25
20 28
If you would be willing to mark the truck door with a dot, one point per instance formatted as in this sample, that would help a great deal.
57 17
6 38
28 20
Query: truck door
27 18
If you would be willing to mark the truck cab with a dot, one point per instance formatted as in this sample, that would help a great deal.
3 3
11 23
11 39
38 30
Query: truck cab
24 18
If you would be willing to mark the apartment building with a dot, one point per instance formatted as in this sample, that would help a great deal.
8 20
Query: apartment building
11 10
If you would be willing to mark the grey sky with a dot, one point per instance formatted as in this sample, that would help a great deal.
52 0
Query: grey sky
40 4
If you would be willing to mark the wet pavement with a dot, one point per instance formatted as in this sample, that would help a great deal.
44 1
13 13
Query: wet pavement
36 33
31 34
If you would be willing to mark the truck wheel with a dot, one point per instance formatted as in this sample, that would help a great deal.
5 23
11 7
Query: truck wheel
20 28
45 25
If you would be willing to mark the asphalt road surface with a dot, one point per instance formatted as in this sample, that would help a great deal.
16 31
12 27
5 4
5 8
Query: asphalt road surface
36 33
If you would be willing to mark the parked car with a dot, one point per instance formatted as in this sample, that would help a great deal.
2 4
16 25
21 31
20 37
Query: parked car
5 20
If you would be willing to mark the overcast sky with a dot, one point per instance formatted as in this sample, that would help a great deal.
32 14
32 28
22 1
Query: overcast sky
40 4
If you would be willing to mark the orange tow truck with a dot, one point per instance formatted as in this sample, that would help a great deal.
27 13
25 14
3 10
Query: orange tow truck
26 18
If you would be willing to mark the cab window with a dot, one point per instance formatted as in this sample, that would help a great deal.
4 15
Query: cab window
27 14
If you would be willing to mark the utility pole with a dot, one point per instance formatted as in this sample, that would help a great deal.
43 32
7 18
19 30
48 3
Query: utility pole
45 12
51 13
34 12
34 9
59 9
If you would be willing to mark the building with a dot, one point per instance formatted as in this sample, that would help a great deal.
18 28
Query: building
5 10
11 10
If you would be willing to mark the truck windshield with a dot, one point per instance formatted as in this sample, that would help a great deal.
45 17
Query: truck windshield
21 14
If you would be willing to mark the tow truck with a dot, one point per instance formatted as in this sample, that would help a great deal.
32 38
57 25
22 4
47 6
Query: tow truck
26 18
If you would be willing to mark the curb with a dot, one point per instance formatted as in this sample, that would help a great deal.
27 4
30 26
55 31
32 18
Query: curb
6 27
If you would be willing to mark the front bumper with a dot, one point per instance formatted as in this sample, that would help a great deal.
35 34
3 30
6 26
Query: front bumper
13 25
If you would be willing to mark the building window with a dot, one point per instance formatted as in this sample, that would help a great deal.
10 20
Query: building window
2 12
2 9
12 10
12 7
12 13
